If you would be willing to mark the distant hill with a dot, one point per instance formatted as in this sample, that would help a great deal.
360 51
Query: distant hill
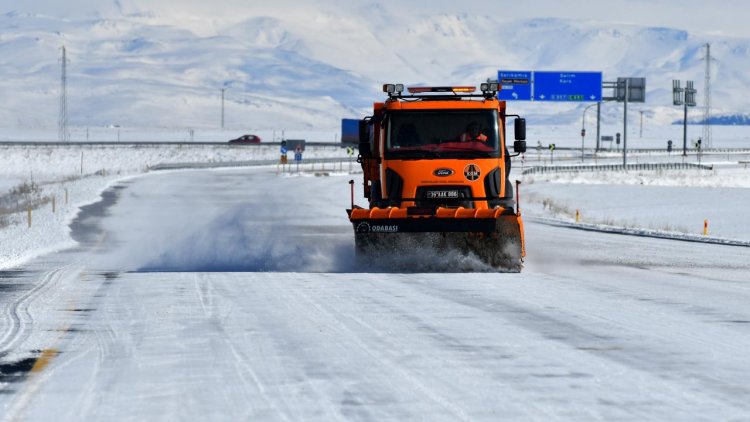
310 68
726 120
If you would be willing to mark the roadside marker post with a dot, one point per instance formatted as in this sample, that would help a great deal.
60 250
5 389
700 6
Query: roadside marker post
552 153
578 216
705 227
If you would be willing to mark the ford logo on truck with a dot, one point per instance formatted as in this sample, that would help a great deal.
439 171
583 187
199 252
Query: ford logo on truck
443 172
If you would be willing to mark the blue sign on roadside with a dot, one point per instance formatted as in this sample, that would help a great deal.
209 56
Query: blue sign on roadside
350 131
568 86
514 85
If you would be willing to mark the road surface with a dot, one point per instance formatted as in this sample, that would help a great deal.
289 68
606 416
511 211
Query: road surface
233 295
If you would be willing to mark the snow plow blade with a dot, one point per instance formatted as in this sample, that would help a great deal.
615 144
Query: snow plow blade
492 236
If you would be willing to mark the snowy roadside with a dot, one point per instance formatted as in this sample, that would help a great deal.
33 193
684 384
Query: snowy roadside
660 203
49 231
82 173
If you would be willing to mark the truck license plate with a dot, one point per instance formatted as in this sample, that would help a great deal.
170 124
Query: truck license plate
442 194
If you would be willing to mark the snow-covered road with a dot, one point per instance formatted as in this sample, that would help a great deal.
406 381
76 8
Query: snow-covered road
232 295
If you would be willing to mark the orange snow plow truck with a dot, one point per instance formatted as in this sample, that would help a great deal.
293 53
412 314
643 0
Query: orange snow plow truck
436 175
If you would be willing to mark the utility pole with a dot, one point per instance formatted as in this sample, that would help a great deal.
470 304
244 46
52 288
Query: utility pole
62 123
707 100
222 108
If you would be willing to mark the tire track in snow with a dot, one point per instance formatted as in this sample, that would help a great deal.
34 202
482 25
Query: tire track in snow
17 313
380 358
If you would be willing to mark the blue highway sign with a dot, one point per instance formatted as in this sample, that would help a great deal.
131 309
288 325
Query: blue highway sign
515 85
568 86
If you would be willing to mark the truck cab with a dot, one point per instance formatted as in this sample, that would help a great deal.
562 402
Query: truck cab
442 146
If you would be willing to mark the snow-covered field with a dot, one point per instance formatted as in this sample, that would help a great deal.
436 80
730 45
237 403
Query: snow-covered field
674 201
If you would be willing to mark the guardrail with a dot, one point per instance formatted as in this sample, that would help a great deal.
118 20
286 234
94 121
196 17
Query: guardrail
615 167
675 151
307 165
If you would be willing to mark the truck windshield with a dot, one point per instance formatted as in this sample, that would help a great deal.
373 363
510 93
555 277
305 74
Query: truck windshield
443 134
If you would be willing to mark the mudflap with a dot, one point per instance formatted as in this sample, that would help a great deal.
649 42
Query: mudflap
496 243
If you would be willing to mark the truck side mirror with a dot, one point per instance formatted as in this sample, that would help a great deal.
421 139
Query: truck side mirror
519 126
364 139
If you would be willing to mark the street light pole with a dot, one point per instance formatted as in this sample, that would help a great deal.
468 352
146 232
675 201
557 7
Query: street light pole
583 127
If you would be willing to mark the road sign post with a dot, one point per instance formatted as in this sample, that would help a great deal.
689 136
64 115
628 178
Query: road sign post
298 156
684 97
598 127
552 153
583 128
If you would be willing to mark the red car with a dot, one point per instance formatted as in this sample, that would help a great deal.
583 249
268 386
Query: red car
246 139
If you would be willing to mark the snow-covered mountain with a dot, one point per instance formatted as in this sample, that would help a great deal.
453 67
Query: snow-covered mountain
307 64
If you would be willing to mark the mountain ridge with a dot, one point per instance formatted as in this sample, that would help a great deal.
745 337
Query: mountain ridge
283 70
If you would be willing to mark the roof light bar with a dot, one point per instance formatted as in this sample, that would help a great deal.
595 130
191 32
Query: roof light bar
420 89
